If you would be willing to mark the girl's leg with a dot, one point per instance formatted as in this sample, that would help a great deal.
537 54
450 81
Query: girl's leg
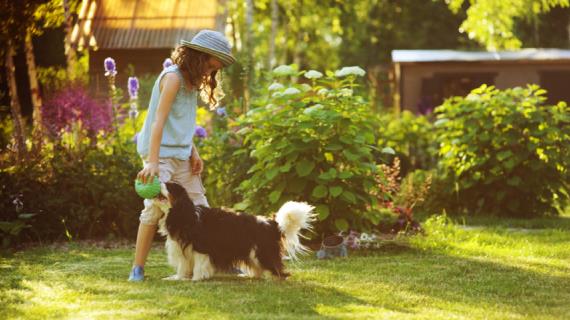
145 235
149 218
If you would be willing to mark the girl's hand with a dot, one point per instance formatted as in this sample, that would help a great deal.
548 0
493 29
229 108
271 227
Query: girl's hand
150 170
196 164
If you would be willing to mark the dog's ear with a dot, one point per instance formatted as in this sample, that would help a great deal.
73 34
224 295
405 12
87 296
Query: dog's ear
175 190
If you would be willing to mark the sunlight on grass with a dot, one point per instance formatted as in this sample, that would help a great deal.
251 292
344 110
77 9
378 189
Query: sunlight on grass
453 273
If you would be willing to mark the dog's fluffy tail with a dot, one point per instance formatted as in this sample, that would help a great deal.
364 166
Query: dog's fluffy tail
292 217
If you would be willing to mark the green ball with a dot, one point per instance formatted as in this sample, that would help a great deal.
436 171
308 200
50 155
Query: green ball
148 190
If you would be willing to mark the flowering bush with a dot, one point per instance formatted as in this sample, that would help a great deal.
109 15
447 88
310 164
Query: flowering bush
311 143
73 104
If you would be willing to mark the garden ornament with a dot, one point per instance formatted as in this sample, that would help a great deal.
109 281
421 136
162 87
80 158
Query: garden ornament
333 246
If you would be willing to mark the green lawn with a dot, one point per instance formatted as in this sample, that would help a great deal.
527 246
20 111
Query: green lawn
489 272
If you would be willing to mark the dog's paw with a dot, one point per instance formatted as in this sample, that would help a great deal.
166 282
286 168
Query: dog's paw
175 277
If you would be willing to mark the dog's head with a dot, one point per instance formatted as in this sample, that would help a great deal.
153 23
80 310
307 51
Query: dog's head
181 213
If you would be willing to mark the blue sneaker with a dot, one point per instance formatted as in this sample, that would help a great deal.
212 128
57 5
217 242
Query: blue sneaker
137 274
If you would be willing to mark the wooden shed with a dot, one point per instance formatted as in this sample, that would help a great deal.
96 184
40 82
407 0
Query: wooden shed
424 78
141 33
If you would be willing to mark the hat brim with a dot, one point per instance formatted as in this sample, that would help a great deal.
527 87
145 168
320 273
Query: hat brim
225 58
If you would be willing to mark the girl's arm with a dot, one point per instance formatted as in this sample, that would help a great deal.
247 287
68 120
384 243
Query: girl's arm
196 163
169 86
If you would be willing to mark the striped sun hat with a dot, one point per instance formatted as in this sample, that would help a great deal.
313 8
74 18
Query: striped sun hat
213 43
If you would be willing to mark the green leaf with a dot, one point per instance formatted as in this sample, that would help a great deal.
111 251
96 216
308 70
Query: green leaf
341 224
286 167
333 147
274 196
304 167
345 174
348 196
271 173
320 191
388 150
241 206
323 211
335 191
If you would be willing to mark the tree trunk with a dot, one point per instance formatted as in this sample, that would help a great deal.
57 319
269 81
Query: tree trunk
248 77
35 91
274 24
69 50
19 134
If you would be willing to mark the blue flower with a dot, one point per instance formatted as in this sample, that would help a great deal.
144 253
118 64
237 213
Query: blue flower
221 111
200 132
133 86
167 63
110 67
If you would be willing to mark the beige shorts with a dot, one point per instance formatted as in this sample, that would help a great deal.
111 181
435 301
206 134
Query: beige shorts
175 170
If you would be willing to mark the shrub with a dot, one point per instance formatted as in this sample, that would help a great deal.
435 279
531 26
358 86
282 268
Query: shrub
71 105
71 189
505 152
411 136
311 143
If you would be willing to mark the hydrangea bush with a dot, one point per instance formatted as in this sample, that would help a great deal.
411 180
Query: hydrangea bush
311 142
505 152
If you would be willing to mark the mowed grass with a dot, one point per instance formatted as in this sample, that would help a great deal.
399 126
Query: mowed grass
452 273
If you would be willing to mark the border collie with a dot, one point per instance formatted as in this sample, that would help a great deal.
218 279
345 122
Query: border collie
201 240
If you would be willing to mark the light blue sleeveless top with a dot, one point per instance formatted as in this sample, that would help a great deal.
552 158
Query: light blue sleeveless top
179 126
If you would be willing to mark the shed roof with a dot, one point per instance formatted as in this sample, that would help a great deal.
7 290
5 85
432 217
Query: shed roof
142 24
408 56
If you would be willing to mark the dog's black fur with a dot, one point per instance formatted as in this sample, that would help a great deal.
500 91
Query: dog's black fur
226 237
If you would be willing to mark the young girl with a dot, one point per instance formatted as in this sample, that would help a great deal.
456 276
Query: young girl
165 141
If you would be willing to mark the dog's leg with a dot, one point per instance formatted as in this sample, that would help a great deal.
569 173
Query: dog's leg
182 262
203 268
255 270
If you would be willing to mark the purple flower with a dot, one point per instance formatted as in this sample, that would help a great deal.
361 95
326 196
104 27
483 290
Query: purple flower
110 67
167 63
133 86
73 104
200 132
135 138
221 111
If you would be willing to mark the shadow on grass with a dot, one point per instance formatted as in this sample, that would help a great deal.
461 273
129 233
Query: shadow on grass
90 283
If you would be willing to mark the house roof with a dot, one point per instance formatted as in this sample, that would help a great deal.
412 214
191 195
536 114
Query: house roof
409 56
142 24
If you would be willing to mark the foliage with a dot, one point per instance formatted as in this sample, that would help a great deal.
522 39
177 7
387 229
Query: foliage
311 143
75 189
492 23
411 136
73 104
505 152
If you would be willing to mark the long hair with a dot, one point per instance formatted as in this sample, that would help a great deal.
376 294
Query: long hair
192 64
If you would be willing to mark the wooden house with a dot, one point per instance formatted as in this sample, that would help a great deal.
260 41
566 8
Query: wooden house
141 33
424 78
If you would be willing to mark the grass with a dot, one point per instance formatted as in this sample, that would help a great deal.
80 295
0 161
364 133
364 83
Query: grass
454 273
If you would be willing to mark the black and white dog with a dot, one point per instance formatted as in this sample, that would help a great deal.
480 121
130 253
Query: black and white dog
201 240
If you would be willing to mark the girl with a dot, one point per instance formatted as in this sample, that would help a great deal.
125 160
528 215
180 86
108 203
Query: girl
165 141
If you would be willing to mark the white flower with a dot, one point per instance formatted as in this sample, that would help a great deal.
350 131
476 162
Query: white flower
313 74
313 108
275 86
277 94
346 71
346 92
306 87
322 91
291 91
284 70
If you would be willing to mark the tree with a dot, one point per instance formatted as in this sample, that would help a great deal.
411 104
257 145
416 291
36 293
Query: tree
16 19
493 23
